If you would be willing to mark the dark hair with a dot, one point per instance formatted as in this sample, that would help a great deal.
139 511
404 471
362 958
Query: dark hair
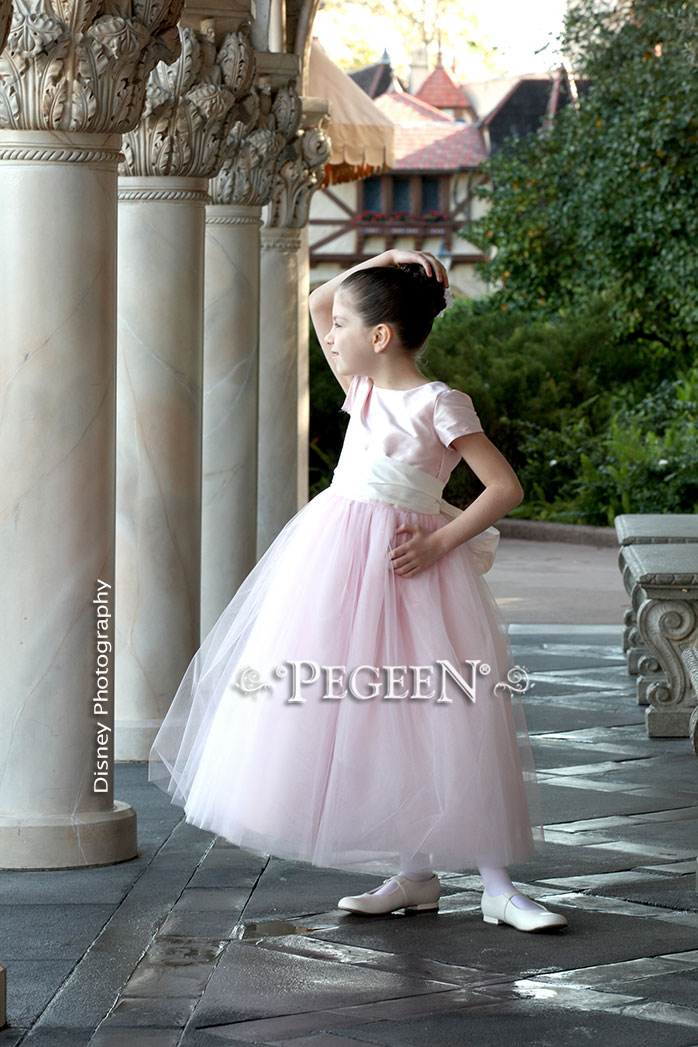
403 296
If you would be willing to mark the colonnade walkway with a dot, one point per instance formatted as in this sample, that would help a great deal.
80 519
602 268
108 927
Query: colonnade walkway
196 942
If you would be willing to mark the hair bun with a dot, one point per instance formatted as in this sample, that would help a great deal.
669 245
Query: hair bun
431 289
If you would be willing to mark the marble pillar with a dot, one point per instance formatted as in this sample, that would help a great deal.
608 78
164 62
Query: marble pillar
60 139
277 481
158 491
163 192
270 116
231 340
285 281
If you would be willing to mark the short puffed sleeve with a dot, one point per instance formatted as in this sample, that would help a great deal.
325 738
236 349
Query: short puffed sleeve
350 398
454 415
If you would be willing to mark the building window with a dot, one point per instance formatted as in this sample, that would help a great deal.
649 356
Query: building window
431 200
372 195
401 195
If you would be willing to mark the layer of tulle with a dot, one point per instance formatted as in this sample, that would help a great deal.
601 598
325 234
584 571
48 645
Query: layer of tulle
273 744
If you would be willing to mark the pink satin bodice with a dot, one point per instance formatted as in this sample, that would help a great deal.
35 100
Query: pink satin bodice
412 425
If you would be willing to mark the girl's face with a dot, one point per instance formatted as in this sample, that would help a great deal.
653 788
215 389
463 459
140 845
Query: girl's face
349 339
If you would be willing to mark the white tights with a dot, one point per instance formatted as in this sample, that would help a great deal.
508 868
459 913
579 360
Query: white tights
495 880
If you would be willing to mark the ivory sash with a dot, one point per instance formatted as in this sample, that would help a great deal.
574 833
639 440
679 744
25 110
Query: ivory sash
385 479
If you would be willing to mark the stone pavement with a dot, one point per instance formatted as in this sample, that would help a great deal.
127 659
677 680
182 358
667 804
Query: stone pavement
198 943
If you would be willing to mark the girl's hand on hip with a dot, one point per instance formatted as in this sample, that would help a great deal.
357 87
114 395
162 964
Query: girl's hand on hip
431 263
415 555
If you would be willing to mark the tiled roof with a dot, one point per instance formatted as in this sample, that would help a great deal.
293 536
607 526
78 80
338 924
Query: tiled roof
373 79
438 147
441 91
404 108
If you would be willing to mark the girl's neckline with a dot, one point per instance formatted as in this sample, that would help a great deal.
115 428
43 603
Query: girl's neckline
383 389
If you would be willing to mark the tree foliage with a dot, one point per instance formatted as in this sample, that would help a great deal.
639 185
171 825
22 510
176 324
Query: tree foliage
605 201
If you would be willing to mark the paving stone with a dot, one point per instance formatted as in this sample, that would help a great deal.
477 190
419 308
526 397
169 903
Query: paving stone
229 867
106 885
679 988
399 963
463 939
174 968
252 983
562 861
291 889
670 893
211 899
96 980
681 833
11 1036
52 932
149 1011
542 716
211 926
115 1036
31 984
532 1025
50 1036
561 803
322 1040
562 754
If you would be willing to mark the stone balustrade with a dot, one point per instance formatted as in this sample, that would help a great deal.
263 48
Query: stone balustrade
663 582
647 529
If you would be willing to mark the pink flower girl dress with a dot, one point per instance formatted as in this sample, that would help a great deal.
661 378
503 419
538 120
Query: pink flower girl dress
319 720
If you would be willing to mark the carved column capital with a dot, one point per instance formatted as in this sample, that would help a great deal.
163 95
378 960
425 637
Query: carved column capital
269 119
301 171
71 65
190 107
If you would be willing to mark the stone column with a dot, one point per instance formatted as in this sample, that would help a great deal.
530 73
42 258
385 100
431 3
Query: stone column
284 283
270 117
163 192
71 81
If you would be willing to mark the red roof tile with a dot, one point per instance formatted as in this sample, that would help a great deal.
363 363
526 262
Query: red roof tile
441 91
438 147
404 108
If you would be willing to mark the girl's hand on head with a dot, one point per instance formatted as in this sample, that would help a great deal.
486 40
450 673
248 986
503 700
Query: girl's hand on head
431 263
414 556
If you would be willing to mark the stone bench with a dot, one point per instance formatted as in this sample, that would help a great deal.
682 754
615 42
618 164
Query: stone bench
647 529
663 582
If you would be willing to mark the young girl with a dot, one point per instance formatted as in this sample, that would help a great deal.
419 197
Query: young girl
345 708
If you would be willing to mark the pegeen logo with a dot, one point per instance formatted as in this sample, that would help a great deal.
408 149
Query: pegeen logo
388 682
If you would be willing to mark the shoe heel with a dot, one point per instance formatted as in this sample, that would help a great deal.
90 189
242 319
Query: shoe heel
423 906
491 919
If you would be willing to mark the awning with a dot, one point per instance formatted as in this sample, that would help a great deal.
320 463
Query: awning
362 137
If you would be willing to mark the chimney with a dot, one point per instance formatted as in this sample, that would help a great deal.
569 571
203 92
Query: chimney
419 69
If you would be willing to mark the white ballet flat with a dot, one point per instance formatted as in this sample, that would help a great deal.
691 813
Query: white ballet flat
501 909
407 895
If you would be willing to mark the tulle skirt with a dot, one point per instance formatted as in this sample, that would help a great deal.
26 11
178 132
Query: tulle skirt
290 734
